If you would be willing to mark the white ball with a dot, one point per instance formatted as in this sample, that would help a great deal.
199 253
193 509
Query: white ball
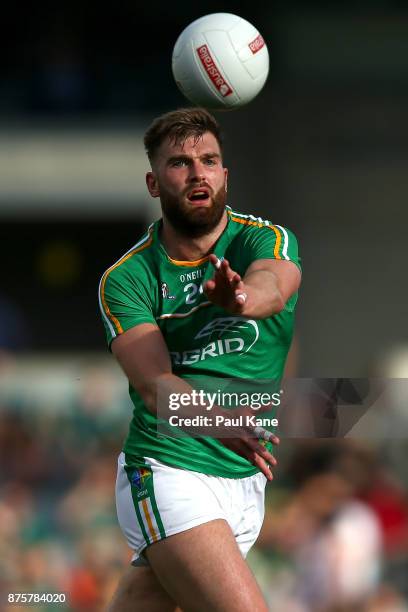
220 61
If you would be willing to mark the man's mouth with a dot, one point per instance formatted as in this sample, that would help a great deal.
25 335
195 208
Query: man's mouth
199 196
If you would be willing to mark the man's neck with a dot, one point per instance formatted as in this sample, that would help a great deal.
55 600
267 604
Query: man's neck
183 248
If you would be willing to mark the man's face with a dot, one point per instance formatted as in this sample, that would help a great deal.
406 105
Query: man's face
190 180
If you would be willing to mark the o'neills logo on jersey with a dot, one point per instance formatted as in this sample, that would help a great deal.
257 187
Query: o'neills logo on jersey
211 69
256 44
227 335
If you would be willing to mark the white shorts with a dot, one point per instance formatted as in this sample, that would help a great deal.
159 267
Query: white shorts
159 501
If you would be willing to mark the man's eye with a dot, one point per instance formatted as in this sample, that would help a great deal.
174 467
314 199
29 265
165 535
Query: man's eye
210 161
178 163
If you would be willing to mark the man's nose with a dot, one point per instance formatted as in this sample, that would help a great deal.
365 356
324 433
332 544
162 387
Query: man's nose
196 171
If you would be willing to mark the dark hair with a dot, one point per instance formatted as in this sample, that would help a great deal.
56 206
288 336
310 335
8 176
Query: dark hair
179 125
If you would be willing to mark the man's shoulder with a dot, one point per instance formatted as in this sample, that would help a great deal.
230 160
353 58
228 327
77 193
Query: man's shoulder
256 238
248 223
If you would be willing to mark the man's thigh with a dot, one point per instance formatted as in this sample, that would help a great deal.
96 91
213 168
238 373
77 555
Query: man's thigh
202 569
140 591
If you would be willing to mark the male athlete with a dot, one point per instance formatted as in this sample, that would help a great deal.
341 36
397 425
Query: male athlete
207 292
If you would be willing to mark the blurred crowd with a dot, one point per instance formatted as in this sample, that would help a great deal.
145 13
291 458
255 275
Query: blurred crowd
58 527
335 537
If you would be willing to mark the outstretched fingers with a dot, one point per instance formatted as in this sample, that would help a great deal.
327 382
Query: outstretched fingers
222 268
226 287
215 261
209 286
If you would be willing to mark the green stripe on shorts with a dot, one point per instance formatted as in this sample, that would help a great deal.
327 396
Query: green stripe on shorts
141 484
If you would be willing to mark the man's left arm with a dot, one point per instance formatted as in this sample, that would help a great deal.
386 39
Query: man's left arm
263 291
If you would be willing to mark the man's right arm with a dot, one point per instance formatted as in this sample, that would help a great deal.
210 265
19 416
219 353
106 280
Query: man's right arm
143 355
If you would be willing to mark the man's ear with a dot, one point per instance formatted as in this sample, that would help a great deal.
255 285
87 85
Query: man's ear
226 178
152 185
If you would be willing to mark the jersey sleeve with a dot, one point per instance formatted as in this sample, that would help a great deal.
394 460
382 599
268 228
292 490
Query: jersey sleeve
272 242
124 302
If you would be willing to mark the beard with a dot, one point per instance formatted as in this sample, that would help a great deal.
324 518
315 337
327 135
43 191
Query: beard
193 221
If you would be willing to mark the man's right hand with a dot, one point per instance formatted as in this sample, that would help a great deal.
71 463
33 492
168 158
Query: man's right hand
247 445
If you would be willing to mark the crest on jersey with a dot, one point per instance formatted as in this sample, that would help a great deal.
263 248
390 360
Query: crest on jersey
165 291
139 476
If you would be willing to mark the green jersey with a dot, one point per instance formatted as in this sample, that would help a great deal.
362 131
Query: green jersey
147 286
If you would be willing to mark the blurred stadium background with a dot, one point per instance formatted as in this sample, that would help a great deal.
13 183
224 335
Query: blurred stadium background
323 150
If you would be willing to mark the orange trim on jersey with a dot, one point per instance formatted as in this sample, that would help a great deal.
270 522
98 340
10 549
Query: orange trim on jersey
271 227
149 520
114 320
190 264
247 221
278 241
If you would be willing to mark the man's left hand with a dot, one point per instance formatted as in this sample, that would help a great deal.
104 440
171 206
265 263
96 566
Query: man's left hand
226 288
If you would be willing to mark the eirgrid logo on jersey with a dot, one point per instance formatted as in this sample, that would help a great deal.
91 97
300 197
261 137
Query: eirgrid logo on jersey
211 69
225 335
